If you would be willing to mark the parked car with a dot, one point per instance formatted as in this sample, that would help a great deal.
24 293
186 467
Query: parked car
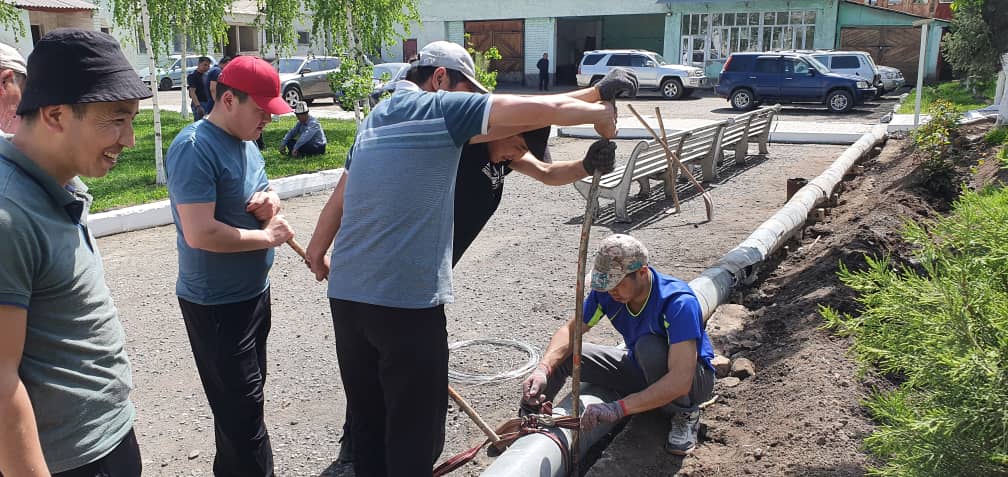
653 72
306 78
169 70
748 79
892 79
853 63
384 79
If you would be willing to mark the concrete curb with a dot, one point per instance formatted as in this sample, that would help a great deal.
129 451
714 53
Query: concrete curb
159 213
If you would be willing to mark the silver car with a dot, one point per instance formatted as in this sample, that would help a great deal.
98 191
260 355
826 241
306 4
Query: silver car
169 70
892 79
653 72
306 78
384 79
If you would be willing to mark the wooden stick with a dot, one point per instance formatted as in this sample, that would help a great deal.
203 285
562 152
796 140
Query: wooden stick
298 249
586 226
668 160
494 438
708 202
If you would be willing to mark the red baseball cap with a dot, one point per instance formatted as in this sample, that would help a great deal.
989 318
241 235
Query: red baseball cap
257 78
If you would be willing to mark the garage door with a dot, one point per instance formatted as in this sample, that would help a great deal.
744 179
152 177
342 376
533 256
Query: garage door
898 47
508 37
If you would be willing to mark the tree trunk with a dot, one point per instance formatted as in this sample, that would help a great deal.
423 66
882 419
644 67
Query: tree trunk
1002 119
184 79
356 54
161 178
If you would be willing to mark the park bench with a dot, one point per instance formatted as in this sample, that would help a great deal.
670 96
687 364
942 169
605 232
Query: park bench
647 162
745 128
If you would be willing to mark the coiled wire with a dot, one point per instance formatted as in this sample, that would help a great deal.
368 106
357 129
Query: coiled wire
462 377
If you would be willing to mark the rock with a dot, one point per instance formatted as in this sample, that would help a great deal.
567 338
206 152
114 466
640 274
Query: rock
726 326
193 454
743 368
730 381
722 366
821 441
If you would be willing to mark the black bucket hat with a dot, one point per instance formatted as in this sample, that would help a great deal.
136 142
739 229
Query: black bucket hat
73 66
536 141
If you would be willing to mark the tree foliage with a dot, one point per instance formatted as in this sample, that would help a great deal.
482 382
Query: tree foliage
277 22
943 330
969 48
362 27
202 22
10 18
485 74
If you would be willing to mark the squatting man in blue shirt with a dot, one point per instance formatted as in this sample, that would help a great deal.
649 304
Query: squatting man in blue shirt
306 138
666 362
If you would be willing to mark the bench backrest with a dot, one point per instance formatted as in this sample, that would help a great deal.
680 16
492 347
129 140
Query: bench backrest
700 142
761 120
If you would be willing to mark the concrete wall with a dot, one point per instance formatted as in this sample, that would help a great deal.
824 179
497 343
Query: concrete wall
540 37
645 32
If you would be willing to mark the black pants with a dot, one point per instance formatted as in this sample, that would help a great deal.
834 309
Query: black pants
543 82
123 461
229 344
306 149
394 364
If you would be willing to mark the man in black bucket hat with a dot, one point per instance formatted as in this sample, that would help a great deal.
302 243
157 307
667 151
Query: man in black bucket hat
65 378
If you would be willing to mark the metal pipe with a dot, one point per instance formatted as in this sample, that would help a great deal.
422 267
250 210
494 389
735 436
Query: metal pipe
538 455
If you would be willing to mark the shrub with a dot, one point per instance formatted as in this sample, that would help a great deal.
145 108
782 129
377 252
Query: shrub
482 59
933 140
997 136
944 331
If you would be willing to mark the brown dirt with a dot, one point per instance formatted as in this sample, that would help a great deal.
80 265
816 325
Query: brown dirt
801 413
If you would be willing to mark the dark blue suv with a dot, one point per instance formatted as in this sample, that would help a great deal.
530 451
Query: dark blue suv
749 79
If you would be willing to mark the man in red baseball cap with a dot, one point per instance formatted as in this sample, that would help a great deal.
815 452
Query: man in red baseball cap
228 223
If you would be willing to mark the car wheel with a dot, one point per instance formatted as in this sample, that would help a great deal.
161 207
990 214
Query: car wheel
165 84
292 95
672 89
594 80
742 100
839 101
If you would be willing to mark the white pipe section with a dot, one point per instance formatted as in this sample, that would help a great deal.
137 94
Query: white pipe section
538 455
715 285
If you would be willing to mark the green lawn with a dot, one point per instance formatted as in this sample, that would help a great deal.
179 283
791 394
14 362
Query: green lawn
954 92
132 181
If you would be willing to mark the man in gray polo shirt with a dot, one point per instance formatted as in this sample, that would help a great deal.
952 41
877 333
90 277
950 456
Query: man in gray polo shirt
65 378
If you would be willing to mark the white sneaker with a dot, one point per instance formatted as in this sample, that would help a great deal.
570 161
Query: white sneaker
682 437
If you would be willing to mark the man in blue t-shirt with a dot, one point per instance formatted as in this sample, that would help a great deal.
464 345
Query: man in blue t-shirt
666 362
227 220
390 270
210 78
197 88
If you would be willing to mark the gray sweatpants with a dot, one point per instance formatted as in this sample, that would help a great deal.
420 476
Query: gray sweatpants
612 368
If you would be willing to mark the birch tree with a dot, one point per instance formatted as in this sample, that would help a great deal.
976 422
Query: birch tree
10 18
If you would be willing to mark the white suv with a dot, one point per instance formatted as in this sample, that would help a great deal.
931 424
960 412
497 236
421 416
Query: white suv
851 63
653 72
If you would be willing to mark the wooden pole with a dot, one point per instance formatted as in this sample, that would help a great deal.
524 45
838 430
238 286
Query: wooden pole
480 423
586 225
668 160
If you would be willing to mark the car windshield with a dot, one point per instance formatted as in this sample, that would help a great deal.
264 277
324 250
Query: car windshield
168 63
661 61
817 65
289 65
381 70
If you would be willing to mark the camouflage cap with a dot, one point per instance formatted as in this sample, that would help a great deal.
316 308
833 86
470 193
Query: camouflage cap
618 256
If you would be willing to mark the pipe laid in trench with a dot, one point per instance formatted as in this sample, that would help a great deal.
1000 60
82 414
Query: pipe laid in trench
536 454
539 455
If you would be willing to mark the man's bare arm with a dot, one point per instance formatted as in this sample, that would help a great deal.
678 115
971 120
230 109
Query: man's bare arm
511 111
682 362
203 231
328 225
555 174
20 449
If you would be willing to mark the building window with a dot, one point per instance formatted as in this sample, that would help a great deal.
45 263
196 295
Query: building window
715 36
248 38
303 38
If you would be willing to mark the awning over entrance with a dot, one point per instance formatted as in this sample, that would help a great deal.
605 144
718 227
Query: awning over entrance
54 5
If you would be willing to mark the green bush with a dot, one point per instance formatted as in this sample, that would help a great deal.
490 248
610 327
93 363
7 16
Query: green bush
956 92
933 140
482 59
943 331
997 136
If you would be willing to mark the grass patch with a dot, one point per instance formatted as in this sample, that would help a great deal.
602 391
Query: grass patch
943 329
132 181
954 92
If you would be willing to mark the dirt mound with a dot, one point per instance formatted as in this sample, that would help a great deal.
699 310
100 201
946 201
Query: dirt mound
800 414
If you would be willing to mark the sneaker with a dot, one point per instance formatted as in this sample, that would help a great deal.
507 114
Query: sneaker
682 437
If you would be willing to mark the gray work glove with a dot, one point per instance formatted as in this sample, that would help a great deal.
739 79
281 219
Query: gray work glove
617 81
534 386
596 414
601 156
